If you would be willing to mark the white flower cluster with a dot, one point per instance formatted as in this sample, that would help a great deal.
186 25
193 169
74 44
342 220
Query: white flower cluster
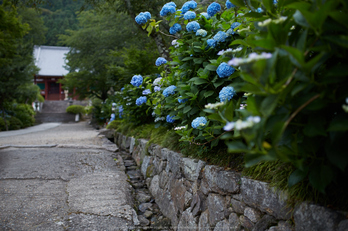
214 105
175 43
159 119
157 81
240 124
229 50
180 128
251 58
345 106
268 21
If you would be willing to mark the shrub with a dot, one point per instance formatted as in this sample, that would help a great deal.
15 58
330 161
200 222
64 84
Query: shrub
25 114
15 123
2 124
76 109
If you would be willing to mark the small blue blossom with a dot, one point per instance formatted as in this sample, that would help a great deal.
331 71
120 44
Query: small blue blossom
120 109
226 93
180 100
189 15
146 91
229 32
112 117
224 70
199 122
192 26
147 15
141 100
220 36
211 43
157 88
160 61
141 19
169 91
213 9
170 119
175 28
122 88
205 15
234 25
137 80
201 32
275 2
229 4
187 6
259 10
168 8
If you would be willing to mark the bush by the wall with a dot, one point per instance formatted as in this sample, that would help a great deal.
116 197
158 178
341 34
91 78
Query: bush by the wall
76 109
15 123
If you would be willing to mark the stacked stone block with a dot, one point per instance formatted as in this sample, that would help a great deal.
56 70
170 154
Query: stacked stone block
198 196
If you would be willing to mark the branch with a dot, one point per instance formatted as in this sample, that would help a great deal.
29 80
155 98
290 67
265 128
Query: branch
299 109
168 35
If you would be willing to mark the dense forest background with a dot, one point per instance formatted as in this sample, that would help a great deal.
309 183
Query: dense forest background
59 16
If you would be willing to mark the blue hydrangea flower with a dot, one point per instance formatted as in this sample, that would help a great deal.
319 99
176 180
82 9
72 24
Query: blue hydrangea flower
160 61
187 6
211 43
220 36
213 9
120 109
234 25
157 88
201 32
170 119
137 80
224 70
141 100
122 88
168 8
229 32
259 10
199 122
205 15
147 15
141 19
169 91
180 100
146 91
226 93
175 28
229 4
189 15
192 26
112 117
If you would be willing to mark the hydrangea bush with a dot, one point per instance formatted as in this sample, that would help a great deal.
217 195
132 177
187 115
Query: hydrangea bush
267 78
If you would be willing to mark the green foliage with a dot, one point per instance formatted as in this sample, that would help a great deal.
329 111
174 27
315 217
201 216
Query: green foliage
76 109
2 124
290 81
25 113
113 124
15 123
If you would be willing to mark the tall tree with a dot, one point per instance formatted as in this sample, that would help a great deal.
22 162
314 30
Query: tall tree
16 58
133 8
89 57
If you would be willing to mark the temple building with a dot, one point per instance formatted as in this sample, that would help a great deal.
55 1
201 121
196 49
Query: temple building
51 61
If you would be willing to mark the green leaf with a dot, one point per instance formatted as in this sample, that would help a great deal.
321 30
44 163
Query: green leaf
320 177
216 117
210 67
187 109
268 105
339 123
208 93
240 41
187 58
229 112
315 127
238 3
198 81
236 146
300 19
297 176
296 54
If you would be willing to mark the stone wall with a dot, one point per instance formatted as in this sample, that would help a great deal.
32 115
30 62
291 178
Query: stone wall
198 196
